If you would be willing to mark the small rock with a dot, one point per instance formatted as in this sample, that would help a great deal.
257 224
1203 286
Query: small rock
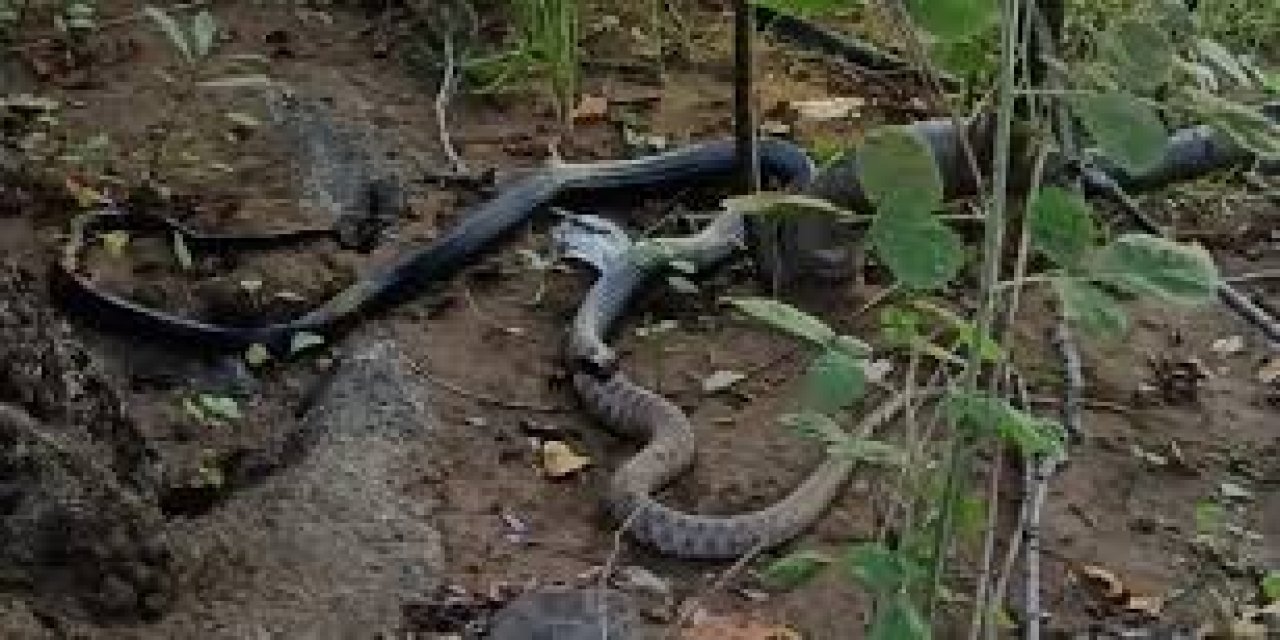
653 593
635 579
1232 491
567 614
1228 346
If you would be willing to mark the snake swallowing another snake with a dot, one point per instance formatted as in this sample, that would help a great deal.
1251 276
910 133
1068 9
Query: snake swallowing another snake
606 392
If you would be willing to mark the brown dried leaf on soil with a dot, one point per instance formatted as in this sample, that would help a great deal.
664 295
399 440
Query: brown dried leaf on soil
1270 372
559 460
591 109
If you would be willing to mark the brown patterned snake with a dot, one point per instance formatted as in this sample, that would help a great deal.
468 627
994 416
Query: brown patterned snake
631 410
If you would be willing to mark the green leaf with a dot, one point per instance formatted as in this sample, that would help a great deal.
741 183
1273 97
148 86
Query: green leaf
990 415
721 380
171 30
681 284
115 242
1126 129
785 317
851 346
898 621
683 266
181 253
967 332
303 340
1245 125
880 568
1062 226
1271 83
1143 54
783 205
1222 61
203 30
970 515
900 327
868 451
896 165
1090 308
193 409
811 424
1209 517
256 355
220 406
791 571
921 251
833 381
1155 265
953 19
1270 586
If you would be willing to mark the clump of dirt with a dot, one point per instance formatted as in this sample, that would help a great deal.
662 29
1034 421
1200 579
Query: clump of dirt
78 527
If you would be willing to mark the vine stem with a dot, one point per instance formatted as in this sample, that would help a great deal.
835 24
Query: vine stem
448 84
961 453
983 604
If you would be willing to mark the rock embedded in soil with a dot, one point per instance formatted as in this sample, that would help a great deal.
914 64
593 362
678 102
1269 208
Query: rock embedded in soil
80 534
563 613
334 542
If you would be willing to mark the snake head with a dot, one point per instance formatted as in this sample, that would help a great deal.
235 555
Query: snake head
592 239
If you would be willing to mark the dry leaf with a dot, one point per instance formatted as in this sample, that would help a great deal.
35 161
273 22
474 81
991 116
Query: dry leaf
1150 605
721 380
1228 345
256 355
829 109
1270 372
725 628
85 196
1104 580
115 242
558 460
591 109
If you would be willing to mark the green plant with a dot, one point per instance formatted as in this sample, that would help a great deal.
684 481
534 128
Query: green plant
1126 80
194 41
544 43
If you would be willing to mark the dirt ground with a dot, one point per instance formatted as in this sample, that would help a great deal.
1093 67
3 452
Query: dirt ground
484 353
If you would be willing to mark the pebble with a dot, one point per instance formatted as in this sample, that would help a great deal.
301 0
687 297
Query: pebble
567 614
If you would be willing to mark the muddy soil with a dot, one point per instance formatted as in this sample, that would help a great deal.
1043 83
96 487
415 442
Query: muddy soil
362 480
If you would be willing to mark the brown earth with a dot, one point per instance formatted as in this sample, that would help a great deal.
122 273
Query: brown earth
1125 504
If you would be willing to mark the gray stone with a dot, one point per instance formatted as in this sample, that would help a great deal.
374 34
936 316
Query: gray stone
562 613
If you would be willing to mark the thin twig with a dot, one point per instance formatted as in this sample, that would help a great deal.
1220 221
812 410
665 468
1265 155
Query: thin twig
602 585
483 317
102 25
1038 472
448 84
484 398
690 606
983 604
1072 377
1268 274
